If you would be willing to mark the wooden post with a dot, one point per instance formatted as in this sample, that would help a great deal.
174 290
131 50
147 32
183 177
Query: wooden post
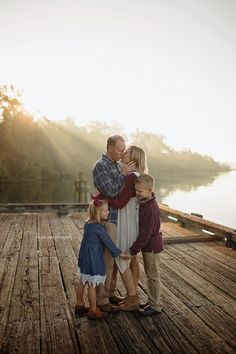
82 189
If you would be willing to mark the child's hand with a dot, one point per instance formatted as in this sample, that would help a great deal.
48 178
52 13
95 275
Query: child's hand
125 256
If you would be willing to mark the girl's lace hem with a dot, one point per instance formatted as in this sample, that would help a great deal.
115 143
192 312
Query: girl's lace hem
93 280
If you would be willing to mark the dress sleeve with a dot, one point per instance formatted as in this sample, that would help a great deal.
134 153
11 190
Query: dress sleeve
105 238
127 192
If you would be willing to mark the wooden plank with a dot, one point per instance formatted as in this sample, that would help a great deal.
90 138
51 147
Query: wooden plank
194 221
198 311
57 326
25 299
204 270
132 336
95 336
211 263
24 310
219 252
22 338
162 331
174 233
201 336
46 245
54 321
210 291
193 328
212 315
197 238
8 267
7 223
75 235
79 220
171 229
225 250
66 256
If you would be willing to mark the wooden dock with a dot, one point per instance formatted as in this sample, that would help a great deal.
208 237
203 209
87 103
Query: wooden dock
38 274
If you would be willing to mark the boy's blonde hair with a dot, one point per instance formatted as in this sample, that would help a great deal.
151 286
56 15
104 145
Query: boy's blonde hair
146 179
95 211
138 155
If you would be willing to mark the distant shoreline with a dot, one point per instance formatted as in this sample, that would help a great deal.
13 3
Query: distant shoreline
161 175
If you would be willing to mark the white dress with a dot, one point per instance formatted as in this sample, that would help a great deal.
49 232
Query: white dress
127 230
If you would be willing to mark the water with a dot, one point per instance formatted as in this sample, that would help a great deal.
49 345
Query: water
212 196
216 201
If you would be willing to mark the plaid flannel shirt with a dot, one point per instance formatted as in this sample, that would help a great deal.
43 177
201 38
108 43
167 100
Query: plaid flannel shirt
109 181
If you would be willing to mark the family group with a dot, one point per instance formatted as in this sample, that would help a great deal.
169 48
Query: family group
124 220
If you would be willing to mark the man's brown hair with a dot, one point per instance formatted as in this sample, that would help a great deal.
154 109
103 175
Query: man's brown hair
112 140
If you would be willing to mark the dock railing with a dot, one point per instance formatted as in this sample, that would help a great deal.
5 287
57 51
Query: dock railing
191 220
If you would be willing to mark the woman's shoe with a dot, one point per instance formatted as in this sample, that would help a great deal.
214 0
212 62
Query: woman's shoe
97 314
131 303
109 308
81 310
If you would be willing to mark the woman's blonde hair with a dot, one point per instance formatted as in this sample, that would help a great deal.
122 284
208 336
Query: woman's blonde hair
95 211
138 155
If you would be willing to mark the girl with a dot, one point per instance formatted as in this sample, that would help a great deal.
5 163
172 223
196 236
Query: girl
91 262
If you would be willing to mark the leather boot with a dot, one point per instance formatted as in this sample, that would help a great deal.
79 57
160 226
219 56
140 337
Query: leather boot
93 315
131 303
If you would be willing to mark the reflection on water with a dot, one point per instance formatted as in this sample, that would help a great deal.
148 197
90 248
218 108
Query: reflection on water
212 196
167 185
52 191
215 201
62 190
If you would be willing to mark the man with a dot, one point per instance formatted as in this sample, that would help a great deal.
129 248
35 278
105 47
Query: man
109 177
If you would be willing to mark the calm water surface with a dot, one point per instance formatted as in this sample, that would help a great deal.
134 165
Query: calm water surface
212 196
216 200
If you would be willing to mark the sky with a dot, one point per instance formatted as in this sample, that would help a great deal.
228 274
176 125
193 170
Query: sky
161 66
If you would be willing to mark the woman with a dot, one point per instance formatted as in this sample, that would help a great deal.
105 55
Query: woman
127 225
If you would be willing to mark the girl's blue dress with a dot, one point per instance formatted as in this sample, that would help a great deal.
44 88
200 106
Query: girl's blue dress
91 259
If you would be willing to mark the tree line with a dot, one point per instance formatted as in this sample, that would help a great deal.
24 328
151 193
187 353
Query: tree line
43 149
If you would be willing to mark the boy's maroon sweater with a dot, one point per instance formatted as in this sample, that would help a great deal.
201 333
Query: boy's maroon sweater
150 237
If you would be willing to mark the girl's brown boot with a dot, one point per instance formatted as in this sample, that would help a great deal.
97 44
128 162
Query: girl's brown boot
97 314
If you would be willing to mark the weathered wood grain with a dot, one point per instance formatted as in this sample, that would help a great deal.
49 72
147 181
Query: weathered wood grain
199 267
189 323
8 266
38 275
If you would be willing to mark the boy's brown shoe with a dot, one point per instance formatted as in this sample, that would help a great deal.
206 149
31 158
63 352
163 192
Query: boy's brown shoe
98 314
131 303
148 311
81 310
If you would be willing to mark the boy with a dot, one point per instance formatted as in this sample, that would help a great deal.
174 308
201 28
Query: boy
149 241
